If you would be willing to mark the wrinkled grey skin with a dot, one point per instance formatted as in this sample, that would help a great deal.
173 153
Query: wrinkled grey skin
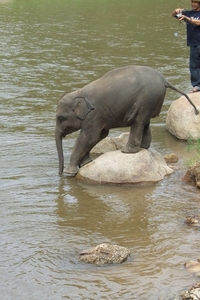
127 96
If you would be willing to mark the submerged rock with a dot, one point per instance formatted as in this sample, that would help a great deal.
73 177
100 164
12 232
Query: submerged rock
192 220
192 176
193 293
192 266
171 158
105 254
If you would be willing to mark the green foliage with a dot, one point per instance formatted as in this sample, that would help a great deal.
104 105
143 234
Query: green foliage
193 145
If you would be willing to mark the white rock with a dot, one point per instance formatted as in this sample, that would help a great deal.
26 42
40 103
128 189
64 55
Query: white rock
181 120
110 144
107 144
115 167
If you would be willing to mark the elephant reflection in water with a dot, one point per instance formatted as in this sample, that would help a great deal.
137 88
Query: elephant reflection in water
126 96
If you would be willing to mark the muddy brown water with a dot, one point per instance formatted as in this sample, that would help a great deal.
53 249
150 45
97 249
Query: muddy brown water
47 48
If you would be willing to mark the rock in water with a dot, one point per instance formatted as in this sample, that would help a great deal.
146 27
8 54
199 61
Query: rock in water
115 167
105 254
181 120
192 220
193 293
192 266
193 176
171 158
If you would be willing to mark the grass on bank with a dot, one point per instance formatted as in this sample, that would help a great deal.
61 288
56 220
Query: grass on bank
193 145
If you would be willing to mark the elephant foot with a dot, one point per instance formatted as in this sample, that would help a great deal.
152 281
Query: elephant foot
146 145
71 170
85 160
129 149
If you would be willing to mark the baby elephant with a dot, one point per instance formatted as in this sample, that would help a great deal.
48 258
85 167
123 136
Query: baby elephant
127 96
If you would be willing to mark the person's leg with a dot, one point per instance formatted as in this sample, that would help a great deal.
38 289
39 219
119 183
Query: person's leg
195 68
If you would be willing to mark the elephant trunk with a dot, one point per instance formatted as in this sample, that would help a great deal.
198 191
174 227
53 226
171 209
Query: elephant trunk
58 138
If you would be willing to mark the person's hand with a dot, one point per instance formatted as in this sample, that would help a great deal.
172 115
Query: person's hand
177 11
184 18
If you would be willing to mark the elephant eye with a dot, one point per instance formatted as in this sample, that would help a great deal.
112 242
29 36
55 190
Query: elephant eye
61 119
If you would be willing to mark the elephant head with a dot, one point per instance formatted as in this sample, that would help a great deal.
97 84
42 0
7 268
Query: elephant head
69 117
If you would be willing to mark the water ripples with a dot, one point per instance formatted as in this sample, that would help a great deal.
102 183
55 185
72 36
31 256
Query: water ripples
45 220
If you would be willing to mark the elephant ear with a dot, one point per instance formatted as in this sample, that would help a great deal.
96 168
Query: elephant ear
81 106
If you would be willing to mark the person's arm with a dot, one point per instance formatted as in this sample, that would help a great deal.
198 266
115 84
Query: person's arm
192 21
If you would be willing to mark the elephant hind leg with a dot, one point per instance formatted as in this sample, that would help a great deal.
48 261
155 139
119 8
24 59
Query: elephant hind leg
146 139
104 133
130 149
140 137
135 139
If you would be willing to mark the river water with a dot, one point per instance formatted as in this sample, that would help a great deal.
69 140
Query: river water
49 47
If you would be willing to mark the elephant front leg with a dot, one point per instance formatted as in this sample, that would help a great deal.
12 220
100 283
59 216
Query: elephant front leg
75 158
135 139
85 160
71 170
80 154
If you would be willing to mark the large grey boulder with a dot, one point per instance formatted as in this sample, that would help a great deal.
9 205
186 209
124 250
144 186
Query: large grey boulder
115 167
181 120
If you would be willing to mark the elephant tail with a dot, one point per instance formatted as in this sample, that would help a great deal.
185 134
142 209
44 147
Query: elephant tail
170 86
